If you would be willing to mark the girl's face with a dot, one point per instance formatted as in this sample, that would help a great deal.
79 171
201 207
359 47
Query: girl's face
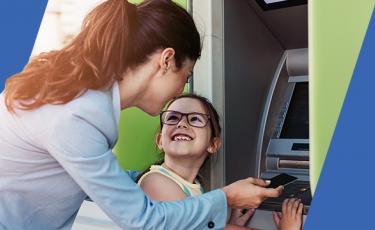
182 139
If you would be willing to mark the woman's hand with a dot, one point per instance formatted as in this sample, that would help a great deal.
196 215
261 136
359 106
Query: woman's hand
249 193
291 217
241 217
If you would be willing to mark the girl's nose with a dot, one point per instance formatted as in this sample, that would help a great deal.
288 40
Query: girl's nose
182 123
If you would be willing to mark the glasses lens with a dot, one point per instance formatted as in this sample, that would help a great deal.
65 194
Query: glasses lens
171 117
197 120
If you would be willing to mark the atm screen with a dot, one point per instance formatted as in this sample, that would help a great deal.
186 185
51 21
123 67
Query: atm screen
296 123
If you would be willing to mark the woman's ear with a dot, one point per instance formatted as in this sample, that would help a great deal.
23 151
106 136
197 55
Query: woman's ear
215 145
158 141
167 59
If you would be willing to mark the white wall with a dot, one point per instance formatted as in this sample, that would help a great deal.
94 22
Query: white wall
62 21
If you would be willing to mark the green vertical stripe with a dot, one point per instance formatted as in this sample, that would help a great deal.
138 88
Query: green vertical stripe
336 32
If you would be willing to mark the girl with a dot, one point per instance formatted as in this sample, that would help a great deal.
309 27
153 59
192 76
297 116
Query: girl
189 134
59 118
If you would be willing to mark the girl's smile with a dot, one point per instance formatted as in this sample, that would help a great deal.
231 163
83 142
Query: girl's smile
181 137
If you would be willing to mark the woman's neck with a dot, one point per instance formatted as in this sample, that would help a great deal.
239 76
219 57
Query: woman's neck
183 167
134 85
129 88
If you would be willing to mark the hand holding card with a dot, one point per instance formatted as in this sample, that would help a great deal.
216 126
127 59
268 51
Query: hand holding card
282 179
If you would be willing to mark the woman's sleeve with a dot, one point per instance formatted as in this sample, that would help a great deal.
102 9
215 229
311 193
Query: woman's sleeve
82 149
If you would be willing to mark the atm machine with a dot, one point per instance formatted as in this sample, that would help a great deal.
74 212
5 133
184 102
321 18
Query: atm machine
283 140
254 68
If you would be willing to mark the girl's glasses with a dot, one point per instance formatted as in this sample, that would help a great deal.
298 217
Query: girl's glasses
171 117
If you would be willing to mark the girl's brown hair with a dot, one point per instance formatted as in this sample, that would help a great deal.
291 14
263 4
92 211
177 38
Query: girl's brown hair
115 36
213 114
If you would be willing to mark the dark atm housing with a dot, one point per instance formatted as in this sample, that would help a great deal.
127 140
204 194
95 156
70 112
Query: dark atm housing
259 84
263 98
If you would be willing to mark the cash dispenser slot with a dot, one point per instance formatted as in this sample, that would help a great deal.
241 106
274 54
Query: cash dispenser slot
293 164
287 154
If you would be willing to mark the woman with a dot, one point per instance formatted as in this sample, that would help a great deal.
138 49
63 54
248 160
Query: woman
59 118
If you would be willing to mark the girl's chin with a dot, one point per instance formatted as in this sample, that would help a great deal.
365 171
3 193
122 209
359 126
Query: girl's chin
179 152
182 153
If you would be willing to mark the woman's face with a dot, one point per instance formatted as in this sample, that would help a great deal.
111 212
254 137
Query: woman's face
183 139
167 86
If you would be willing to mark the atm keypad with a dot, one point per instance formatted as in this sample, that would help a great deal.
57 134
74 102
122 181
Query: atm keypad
298 189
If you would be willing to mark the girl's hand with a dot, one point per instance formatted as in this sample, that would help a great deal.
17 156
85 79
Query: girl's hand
241 217
291 217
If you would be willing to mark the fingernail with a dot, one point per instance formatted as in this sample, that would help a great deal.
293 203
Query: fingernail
268 181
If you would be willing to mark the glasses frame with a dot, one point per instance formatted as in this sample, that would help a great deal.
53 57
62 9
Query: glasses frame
184 115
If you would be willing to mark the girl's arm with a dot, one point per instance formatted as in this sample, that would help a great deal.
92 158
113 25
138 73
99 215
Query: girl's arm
161 188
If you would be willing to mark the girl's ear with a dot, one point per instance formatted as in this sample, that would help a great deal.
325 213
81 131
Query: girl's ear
158 141
215 145
167 59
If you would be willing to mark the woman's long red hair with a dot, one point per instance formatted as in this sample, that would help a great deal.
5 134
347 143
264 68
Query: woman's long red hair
91 61
115 36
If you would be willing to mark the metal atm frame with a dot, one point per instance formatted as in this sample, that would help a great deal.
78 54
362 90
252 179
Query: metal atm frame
290 153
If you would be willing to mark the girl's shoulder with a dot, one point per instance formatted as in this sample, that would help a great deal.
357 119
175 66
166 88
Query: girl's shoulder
168 176
159 186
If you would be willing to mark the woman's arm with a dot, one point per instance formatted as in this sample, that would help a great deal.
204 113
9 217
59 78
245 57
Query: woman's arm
82 148
81 139
161 188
